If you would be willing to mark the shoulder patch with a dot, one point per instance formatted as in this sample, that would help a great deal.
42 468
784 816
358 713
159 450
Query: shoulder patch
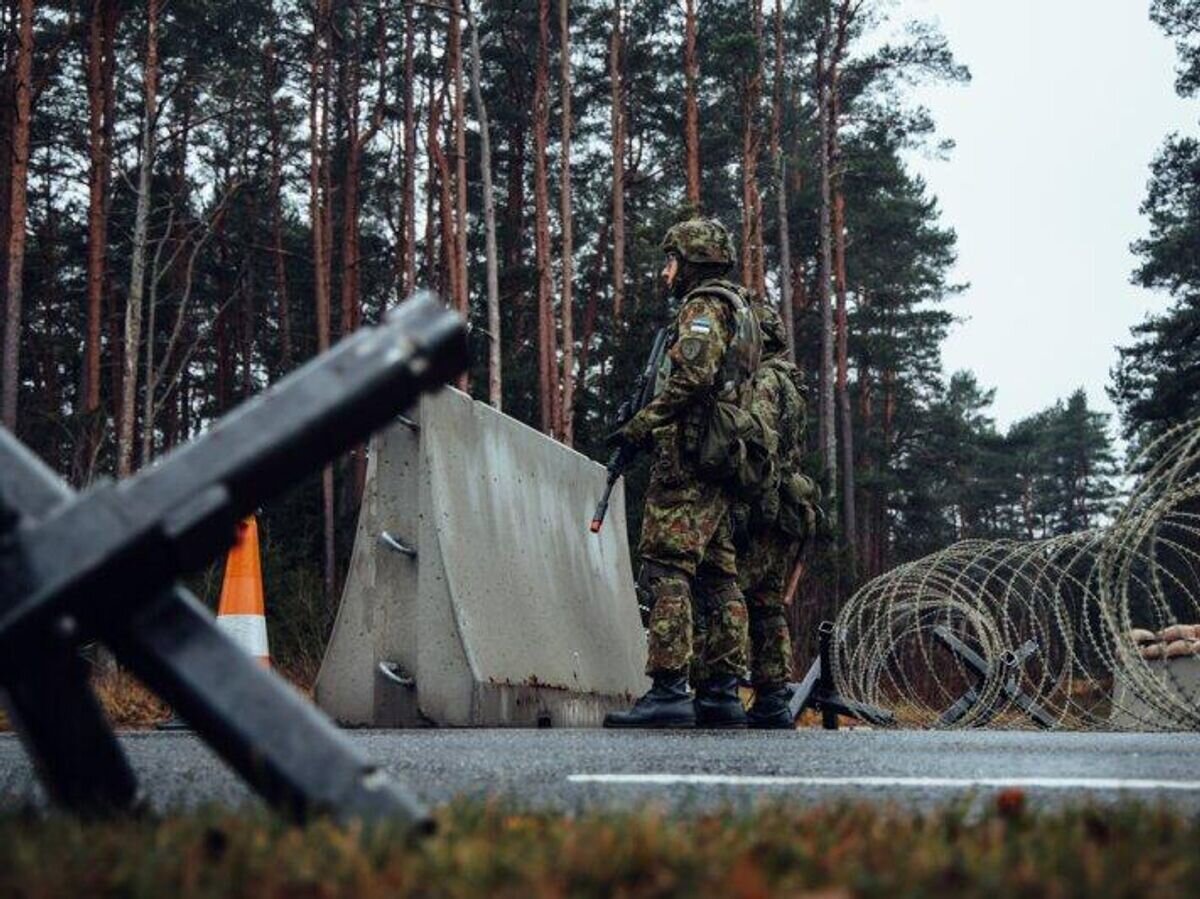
701 325
691 348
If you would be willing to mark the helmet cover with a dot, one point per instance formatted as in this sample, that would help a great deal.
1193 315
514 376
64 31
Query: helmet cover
701 241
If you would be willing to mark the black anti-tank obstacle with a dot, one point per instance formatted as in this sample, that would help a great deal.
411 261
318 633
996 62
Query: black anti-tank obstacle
102 564
816 690
1009 685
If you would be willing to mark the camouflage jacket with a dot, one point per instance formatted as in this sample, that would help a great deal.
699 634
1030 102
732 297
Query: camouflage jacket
778 406
703 331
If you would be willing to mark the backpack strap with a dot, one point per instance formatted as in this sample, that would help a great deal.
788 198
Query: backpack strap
744 353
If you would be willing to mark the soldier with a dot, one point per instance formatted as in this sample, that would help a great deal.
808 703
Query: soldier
770 529
686 546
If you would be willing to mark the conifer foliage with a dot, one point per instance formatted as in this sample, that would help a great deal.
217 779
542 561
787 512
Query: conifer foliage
202 194
1157 381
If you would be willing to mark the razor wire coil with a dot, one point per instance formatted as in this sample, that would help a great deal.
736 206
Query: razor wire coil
1101 629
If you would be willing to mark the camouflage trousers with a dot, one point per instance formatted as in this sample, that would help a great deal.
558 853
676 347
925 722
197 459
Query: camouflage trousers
763 571
689 568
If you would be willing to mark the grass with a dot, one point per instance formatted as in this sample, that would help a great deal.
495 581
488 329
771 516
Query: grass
127 703
826 852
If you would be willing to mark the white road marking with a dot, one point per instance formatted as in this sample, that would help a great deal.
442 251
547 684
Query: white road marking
741 780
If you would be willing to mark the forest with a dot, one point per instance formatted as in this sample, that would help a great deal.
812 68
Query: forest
203 194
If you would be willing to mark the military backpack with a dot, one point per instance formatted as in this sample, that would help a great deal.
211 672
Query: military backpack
788 499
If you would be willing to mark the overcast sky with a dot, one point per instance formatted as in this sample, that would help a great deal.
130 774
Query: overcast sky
1069 101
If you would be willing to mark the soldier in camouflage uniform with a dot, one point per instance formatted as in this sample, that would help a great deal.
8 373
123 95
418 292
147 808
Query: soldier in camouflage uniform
771 528
686 546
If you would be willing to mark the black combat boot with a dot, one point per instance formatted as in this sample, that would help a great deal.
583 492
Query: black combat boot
718 704
668 704
770 710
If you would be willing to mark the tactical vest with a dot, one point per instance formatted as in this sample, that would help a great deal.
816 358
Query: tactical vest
726 445
744 353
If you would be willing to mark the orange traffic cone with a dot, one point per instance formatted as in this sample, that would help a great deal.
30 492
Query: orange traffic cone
241 613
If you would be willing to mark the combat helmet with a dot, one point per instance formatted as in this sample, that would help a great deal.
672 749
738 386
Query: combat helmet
701 242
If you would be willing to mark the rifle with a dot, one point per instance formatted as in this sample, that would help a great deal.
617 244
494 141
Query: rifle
624 456
793 583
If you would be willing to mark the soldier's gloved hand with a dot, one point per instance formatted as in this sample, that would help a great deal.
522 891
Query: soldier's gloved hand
624 436
635 432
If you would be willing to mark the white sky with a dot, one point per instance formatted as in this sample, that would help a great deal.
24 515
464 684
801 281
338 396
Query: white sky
1069 101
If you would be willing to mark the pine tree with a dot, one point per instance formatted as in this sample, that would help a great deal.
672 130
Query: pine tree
1156 383
18 170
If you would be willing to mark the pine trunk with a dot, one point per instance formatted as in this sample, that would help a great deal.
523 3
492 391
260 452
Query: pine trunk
223 392
691 129
838 226
114 320
49 390
785 247
515 242
618 157
8 114
445 193
278 257
495 362
866 517
568 239
753 274
351 302
547 339
97 220
849 516
433 123
827 431
99 72
137 269
246 330
409 194
351 176
358 140
319 224
151 384
882 561
11 365
462 297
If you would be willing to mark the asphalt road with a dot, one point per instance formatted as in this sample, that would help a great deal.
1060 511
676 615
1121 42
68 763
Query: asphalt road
579 769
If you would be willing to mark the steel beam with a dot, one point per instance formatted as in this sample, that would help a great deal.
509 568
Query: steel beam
1010 684
102 565
817 691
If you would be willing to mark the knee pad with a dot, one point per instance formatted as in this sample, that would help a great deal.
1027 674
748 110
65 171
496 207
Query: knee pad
650 573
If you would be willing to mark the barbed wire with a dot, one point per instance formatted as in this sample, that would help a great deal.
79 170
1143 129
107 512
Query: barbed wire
1094 630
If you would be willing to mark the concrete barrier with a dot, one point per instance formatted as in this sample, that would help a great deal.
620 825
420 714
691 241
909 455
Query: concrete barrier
476 595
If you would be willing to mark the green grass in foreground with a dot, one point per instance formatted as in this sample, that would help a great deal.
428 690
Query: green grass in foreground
491 850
